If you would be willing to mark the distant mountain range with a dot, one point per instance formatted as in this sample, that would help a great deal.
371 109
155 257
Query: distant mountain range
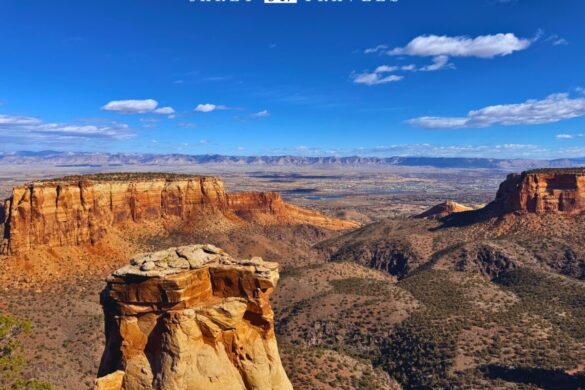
87 159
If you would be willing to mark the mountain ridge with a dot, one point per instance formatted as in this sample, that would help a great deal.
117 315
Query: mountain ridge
90 159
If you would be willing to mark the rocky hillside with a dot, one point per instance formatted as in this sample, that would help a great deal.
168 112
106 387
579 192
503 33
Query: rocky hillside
82 209
443 209
534 221
191 317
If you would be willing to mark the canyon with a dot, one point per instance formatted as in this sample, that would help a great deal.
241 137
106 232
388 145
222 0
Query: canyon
456 299
191 317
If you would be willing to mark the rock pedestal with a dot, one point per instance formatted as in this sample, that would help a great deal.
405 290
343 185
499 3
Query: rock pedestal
191 318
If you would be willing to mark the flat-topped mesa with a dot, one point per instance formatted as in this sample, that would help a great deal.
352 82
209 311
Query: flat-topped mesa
77 210
191 317
543 190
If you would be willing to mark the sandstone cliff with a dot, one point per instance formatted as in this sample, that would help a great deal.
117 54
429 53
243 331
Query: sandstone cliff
543 190
191 318
79 210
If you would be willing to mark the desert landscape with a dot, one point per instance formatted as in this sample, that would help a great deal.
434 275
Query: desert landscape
292 194
377 289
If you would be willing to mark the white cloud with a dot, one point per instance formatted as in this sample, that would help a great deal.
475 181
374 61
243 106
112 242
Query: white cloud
553 108
114 130
568 136
378 76
261 114
10 120
164 111
26 130
376 49
434 122
441 49
484 46
131 106
439 62
208 107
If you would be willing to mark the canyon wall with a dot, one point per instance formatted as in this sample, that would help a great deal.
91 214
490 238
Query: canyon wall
191 318
83 209
545 190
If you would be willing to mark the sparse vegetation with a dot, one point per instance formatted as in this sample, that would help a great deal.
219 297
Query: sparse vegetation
11 355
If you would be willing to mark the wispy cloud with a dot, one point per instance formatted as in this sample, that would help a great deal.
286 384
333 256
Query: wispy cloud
568 136
10 120
261 114
26 129
553 108
208 107
556 40
439 62
134 106
376 49
381 75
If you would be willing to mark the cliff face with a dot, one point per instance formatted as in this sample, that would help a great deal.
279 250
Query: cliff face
82 210
191 318
547 190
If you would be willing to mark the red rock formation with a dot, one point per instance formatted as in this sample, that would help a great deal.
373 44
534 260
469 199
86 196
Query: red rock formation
443 209
79 210
191 318
544 190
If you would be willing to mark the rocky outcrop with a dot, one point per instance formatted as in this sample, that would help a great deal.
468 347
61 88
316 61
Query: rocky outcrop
543 190
443 209
82 209
191 318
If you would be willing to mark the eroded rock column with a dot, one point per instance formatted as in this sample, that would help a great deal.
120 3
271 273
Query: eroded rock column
191 318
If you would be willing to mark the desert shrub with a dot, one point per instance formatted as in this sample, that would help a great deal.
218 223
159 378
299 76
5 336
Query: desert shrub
362 286
11 355
420 353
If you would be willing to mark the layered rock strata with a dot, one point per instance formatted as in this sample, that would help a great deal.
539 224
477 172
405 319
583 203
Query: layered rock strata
543 190
191 318
79 210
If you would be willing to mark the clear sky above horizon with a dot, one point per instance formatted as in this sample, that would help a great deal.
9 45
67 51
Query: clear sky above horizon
482 78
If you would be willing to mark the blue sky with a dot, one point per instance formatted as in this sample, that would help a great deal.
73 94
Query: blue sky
496 78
